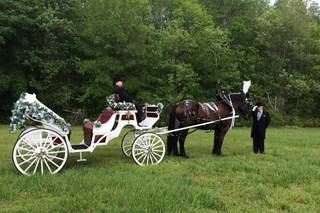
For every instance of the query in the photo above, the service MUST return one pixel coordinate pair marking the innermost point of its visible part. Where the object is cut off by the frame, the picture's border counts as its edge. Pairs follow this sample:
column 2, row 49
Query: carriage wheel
column 20, row 135
column 26, row 131
column 40, row 151
column 148, row 149
column 126, row 142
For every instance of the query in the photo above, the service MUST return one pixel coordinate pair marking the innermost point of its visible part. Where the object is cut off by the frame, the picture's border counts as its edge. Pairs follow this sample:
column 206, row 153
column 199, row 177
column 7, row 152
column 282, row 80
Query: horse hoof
column 184, row 156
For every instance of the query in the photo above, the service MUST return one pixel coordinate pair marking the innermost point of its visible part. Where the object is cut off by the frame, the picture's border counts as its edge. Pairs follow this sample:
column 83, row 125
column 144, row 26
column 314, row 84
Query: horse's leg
column 172, row 138
column 182, row 139
column 169, row 144
column 221, row 138
column 215, row 143
column 174, row 144
column 218, row 140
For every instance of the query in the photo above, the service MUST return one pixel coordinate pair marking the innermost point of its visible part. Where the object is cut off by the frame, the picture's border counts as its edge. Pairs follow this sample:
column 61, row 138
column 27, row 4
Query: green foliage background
column 67, row 52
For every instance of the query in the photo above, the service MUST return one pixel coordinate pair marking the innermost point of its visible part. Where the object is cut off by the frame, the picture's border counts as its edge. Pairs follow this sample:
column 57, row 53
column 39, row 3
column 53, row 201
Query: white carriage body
column 102, row 134
column 46, row 146
column 112, row 128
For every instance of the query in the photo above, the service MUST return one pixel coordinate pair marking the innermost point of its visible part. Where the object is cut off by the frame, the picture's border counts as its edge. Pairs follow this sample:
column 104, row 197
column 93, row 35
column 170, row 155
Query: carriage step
column 79, row 146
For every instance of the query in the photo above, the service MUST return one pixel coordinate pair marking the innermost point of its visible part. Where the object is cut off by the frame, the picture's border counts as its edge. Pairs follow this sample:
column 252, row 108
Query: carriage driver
column 120, row 91
column 124, row 96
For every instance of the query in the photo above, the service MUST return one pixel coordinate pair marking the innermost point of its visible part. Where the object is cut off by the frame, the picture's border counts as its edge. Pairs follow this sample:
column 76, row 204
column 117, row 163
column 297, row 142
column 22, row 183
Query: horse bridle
column 248, row 101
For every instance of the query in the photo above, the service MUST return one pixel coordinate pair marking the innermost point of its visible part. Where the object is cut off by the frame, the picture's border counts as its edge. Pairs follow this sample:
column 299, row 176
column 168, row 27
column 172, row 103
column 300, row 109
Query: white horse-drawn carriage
column 44, row 146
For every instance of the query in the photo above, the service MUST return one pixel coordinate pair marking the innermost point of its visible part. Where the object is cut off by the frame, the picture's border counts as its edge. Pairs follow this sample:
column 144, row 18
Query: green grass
column 286, row 178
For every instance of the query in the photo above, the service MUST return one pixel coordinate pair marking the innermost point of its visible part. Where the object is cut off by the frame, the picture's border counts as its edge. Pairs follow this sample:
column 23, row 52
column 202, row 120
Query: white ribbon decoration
column 233, row 114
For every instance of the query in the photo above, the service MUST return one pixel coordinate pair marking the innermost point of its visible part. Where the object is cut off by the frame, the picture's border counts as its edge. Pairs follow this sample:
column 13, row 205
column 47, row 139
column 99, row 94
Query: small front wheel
column 40, row 151
column 148, row 149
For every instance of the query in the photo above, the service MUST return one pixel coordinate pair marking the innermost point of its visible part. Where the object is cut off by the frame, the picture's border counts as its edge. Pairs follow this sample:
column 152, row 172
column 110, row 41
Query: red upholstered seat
column 152, row 111
column 88, row 127
column 105, row 116
column 87, row 132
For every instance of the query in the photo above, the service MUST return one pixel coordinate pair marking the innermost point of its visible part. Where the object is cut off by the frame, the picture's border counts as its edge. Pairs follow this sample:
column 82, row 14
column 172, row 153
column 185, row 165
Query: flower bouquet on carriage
column 44, row 143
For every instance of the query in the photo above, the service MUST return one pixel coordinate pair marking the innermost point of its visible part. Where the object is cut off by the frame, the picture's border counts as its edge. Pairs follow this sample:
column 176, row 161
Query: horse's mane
column 236, row 96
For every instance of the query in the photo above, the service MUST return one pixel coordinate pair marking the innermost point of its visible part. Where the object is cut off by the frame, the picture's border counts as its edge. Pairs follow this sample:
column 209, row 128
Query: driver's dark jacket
column 122, row 93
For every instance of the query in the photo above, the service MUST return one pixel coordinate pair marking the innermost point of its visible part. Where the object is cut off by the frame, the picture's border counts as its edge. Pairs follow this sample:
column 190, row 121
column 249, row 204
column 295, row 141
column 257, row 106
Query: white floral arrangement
column 28, row 105
column 111, row 102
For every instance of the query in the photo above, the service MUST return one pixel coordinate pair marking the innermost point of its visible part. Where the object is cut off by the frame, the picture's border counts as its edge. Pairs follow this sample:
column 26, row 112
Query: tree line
column 68, row 51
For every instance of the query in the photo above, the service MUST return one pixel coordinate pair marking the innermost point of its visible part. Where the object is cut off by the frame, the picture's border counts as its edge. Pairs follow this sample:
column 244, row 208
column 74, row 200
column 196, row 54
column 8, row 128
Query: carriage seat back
column 152, row 111
column 152, row 116
column 104, row 117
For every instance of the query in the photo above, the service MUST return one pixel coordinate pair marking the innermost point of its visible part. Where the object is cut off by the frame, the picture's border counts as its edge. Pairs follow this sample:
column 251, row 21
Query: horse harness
column 207, row 107
column 228, row 101
column 213, row 107
column 190, row 114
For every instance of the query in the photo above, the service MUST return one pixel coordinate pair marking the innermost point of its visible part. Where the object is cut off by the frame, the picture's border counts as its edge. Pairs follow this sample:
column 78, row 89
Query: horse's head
column 241, row 101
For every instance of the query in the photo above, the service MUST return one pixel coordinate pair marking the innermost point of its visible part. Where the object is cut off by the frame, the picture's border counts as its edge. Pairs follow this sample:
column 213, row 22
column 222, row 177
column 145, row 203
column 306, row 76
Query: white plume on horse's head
column 246, row 86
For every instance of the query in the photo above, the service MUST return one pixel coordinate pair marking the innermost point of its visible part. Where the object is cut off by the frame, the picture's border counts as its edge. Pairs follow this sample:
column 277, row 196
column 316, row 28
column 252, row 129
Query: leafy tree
column 37, row 50
column 69, row 51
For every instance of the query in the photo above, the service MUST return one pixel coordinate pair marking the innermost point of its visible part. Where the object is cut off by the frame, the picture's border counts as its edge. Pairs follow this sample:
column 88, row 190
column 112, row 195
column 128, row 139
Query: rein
column 228, row 101
column 233, row 113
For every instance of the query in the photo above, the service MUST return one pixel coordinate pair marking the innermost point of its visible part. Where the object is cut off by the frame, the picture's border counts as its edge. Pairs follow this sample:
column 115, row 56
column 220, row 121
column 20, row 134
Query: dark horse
column 189, row 112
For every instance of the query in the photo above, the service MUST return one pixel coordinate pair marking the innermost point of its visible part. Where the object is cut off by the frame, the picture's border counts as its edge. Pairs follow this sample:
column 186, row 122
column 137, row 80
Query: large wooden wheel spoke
column 40, row 151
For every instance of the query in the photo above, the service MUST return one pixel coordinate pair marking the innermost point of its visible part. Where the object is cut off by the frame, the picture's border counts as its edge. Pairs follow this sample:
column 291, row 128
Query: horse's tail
column 172, row 138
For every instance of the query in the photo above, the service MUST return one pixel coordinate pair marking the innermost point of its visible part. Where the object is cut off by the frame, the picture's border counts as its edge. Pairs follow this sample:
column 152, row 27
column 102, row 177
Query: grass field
column 286, row 178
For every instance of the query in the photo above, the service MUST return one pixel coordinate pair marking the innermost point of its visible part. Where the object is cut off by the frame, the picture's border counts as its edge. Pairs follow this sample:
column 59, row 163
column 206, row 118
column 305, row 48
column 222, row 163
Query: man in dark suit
column 120, row 91
column 122, row 95
column 261, row 121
